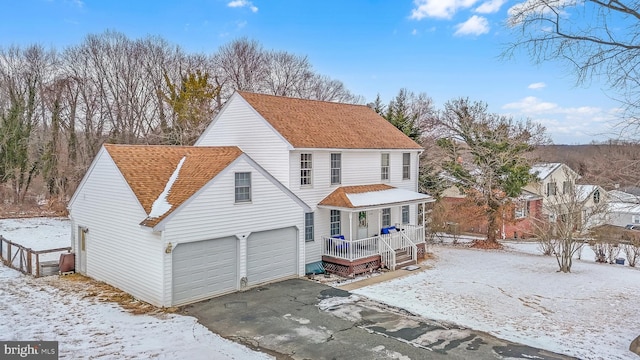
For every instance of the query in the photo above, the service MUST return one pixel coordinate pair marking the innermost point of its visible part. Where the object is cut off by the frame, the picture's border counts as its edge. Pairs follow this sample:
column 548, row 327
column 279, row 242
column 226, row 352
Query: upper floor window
column 384, row 167
column 566, row 187
column 551, row 189
column 406, row 166
column 336, row 169
column 306, row 163
column 386, row 217
column 635, row 219
column 243, row 187
column 334, row 222
column 596, row 197
column 308, row 226
column 405, row 214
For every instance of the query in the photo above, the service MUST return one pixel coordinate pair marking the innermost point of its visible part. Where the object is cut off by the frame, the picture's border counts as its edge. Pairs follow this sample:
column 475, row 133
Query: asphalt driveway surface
column 301, row 319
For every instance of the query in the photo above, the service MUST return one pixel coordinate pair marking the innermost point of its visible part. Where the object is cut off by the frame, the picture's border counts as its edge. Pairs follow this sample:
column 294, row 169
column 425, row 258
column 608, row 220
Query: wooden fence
column 25, row 260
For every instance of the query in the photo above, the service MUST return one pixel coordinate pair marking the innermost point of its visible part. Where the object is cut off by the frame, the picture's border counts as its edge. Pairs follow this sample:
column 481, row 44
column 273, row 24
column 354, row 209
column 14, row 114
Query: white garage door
column 204, row 269
column 271, row 255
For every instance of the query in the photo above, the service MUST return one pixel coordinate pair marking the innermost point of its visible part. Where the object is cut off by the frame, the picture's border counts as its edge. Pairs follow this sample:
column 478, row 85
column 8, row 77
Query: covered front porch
column 371, row 227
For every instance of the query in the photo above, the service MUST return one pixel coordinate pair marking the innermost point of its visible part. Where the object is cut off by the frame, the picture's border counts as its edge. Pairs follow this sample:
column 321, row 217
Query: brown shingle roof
column 148, row 168
column 338, row 197
column 322, row 124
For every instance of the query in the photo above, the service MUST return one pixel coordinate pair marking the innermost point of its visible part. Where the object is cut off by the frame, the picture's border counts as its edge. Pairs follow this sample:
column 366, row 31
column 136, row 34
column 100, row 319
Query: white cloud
column 444, row 9
column 243, row 3
column 537, row 86
column 414, row 32
column 566, row 125
column 490, row 7
column 476, row 25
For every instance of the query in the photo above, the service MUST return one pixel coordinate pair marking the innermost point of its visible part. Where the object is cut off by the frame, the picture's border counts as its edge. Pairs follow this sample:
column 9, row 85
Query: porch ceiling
column 362, row 197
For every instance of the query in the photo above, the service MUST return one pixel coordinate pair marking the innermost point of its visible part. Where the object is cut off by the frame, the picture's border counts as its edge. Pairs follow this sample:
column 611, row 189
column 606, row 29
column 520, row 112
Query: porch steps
column 403, row 258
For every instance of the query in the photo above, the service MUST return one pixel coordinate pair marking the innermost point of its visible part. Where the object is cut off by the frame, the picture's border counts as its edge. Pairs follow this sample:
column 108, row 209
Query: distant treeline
column 57, row 106
column 613, row 164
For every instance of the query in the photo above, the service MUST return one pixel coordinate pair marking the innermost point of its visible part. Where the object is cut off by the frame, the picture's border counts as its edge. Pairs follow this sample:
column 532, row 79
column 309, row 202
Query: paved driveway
column 301, row 319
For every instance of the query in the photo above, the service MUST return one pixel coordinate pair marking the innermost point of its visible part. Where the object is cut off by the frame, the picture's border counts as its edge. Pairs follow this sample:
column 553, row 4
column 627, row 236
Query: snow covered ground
column 85, row 327
column 591, row 313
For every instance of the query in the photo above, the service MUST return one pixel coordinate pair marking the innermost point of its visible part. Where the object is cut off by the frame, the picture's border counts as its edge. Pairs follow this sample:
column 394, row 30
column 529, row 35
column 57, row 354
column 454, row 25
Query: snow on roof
column 543, row 170
column 621, row 196
column 624, row 207
column 161, row 204
column 583, row 191
column 385, row 197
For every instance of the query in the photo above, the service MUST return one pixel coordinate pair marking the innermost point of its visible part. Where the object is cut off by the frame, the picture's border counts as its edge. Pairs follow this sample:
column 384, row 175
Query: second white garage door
column 272, row 255
column 204, row 269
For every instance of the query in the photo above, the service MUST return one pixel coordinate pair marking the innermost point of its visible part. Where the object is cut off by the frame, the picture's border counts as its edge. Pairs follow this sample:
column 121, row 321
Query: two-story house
column 274, row 188
column 355, row 170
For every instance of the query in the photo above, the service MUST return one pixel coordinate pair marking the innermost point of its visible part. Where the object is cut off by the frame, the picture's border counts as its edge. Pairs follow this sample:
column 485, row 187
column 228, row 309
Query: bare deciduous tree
column 569, row 215
column 595, row 38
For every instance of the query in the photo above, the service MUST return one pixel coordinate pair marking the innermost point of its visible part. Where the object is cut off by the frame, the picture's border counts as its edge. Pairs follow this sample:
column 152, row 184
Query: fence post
column 29, row 254
column 9, row 254
column 37, row 265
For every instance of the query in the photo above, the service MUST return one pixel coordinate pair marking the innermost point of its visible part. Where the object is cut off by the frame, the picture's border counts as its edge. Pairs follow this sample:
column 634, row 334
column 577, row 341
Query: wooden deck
column 353, row 257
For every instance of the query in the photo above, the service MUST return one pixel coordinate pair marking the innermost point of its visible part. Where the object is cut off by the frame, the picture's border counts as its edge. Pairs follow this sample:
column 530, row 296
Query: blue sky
column 445, row 48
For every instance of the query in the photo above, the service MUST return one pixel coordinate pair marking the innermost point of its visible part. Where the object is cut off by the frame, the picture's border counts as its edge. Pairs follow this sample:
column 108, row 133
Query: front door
column 363, row 225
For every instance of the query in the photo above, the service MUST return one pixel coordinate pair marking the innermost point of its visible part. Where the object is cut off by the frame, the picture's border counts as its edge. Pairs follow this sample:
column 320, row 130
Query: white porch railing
column 350, row 250
column 387, row 256
column 383, row 245
column 400, row 241
column 414, row 232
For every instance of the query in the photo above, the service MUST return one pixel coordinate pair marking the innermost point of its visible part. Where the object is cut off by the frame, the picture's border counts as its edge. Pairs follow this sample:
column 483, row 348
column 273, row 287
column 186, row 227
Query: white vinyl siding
column 116, row 242
column 384, row 166
column 262, row 143
column 306, row 169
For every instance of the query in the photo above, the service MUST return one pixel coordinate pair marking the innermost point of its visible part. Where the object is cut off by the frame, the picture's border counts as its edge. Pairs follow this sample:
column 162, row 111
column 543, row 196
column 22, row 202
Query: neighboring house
column 275, row 188
column 555, row 181
column 173, row 224
column 593, row 199
column 621, row 196
column 356, row 171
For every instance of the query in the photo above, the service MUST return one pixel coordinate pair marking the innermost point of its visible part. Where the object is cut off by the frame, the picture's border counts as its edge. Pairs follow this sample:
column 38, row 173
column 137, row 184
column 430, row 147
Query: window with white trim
column 551, row 188
column 243, row 187
column 384, row 166
column 635, row 219
column 566, row 187
column 386, row 217
column 336, row 168
column 405, row 214
column 308, row 227
column 334, row 222
column 521, row 209
column 596, row 197
column 306, row 166
column 406, row 166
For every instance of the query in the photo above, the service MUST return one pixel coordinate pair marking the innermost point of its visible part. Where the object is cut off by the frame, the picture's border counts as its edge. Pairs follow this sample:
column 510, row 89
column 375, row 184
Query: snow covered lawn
column 68, row 311
column 591, row 313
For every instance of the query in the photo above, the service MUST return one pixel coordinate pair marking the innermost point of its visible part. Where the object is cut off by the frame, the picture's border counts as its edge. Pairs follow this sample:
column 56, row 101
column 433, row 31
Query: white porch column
column 350, row 225
column 424, row 210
